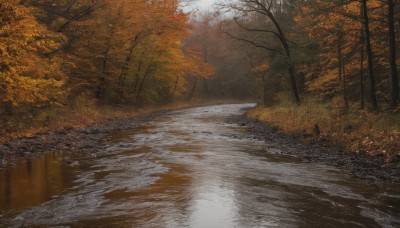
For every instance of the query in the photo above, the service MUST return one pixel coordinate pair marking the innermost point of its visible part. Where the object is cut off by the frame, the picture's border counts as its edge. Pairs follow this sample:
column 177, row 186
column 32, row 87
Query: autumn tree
column 371, row 76
column 122, row 48
column 391, row 5
column 62, row 52
column 363, row 24
column 266, row 12
column 30, row 76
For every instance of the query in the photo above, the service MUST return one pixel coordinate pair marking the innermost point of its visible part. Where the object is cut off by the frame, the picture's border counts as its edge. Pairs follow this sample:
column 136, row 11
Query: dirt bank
column 67, row 140
column 74, row 132
column 373, row 169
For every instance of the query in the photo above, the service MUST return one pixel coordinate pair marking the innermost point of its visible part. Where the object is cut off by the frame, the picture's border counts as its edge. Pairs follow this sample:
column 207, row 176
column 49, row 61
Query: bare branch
column 252, row 43
column 95, row 6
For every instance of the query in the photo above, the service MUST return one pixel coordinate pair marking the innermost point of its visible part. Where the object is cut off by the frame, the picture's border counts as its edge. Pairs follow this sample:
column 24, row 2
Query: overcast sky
column 205, row 3
column 201, row 4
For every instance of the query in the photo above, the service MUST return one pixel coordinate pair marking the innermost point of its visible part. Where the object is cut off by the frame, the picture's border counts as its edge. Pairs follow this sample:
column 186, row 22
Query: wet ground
column 190, row 168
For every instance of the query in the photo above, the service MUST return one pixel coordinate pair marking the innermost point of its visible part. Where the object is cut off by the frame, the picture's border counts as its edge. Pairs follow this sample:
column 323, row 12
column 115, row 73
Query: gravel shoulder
column 67, row 140
column 373, row 169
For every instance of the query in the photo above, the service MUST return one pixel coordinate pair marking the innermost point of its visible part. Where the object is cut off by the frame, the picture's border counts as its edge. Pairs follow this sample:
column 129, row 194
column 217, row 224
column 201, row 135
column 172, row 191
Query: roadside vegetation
column 369, row 133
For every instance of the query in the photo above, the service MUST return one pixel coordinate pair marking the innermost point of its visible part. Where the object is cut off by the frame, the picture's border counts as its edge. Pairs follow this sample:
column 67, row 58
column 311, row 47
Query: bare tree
column 267, row 9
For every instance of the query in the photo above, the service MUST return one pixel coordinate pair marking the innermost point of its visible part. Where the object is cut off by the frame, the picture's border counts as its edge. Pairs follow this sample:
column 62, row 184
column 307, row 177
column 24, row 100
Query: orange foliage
column 28, row 74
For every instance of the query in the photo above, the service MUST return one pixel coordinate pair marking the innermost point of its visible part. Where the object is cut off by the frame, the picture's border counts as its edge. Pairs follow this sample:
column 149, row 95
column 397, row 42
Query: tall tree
column 267, row 9
column 341, row 69
column 361, row 73
column 372, row 82
column 392, row 50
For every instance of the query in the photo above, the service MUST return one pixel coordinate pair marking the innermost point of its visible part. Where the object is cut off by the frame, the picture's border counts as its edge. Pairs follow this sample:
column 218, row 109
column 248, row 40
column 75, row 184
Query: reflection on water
column 189, row 169
column 213, row 205
column 33, row 181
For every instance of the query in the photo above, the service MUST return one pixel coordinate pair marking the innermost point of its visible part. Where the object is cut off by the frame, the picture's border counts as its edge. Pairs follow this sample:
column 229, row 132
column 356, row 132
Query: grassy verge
column 88, row 113
column 376, row 134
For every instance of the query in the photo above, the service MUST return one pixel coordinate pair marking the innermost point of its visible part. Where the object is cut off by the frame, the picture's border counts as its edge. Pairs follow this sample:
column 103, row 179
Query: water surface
column 189, row 168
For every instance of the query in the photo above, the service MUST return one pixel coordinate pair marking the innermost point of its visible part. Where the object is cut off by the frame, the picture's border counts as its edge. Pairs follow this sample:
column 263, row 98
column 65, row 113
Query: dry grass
column 374, row 133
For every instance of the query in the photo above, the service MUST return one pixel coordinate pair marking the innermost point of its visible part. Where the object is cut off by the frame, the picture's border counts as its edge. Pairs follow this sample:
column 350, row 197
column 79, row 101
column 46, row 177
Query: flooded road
column 189, row 168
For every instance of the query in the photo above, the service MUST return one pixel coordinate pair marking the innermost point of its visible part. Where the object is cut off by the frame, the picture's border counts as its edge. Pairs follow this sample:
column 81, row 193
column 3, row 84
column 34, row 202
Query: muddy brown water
column 189, row 168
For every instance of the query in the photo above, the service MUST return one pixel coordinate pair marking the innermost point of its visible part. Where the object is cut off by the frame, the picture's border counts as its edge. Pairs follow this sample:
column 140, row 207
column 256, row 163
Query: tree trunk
column 291, row 68
column 293, row 84
column 339, row 57
column 175, row 87
column 301, row 83
column 100, row 93
column 135, row 84
column 362, row 43
column 190, row 96
column 344, row 84
column 206, row 90
column 372, row 82
column 341, row 71
column 149, row 69
column 392, row 49
column 264, row 90
column 121, row 78
column 362, row 97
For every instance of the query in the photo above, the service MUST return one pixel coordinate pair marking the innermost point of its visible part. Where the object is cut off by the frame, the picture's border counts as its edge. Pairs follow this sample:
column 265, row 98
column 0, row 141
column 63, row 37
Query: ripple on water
column 190, row 169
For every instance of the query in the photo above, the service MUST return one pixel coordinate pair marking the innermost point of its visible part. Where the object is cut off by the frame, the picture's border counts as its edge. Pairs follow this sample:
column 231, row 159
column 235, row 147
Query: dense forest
column 327, row 68
column 327, row 49
column 58, row 54
column 68, row 52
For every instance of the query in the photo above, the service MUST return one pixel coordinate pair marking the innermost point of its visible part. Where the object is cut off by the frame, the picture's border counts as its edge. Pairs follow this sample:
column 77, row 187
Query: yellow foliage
column 27, row 76
column 329, row 77
column 195, row 65
column 260, row 68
